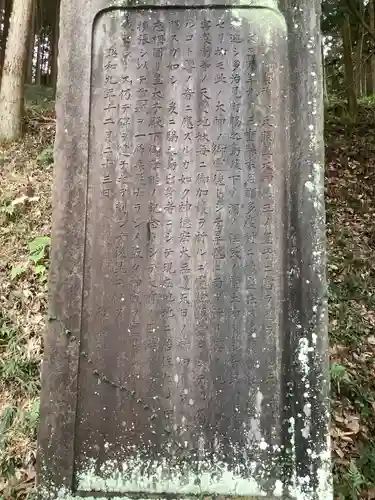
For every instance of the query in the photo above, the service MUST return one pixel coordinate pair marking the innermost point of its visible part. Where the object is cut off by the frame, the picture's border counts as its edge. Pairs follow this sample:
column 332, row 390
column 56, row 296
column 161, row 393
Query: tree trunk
column 369, row 82
column 363, row 77
column 358, row 55
column 372, row 26
column 31, row 46
column 6, row 22
column 12, row 88
column 348, row 65
column 55, row 49
column 325, row 86
column 358, row 63
column 38, row 61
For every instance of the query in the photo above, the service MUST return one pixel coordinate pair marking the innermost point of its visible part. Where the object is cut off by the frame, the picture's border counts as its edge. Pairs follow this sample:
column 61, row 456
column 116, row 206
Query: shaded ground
column 25, row 217
column 350, row 201
column 25, row 214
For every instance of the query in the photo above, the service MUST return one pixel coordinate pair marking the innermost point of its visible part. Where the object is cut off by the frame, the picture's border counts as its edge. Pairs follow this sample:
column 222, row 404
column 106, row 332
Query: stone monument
column 186, row 353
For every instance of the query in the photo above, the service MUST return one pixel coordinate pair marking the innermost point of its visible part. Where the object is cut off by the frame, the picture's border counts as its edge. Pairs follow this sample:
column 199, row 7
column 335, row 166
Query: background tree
column 349, row 49
column 12, row 83
column 28, row 55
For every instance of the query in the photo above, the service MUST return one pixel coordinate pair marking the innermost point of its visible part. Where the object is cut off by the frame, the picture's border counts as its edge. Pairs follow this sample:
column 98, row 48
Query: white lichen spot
column 263, row 445
column 306, row 432
column 303, row 355
column 258, row 404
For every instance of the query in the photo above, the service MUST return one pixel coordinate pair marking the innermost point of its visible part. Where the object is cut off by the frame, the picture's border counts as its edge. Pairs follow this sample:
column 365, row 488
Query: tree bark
column 363, row 77
column 12, row 87
column 6, row 22
column 55, row 49
column 31, row 47
column 38, row 62
column 348, row 64
column 372, row 26
column 358, row 57
column 325, row 86
column 369, row 82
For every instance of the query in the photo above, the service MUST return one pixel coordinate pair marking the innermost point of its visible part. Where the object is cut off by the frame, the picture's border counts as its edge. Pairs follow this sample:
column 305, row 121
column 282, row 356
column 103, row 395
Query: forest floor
column 25, row 219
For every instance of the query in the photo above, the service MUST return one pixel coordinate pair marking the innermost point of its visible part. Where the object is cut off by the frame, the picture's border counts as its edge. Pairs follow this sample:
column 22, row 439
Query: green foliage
column 339, row 374
column 38, row 247
column 30, row 418
column 17, row 271
column 350, row 214
column 46, row 156
column 368, row 100
column 19, row 375
column 25, row 213
column 366, row 464
column 38, row 253
column 6, row 421
column 352, row 482
column 355, row 481
column 39, row 96
column 17, row 369
column 16, row 422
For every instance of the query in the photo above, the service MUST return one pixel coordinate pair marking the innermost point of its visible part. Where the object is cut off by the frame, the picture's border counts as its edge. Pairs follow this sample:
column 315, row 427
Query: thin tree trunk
column 358, row 62
column 6, row 22
column 372, row 26
column 31, row 47
column 42, row 62
column 55, row 49
column 38, row 61
column 2, row 12
column 325, row 87
column 369, row 82
column 12, row 88
column 348, row 64
column 363, row 77
column 3, row 40
column 334, row 78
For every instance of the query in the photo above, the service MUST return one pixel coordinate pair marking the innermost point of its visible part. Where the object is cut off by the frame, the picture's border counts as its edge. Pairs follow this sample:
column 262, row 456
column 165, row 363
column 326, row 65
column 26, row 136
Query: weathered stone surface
column 186, row 348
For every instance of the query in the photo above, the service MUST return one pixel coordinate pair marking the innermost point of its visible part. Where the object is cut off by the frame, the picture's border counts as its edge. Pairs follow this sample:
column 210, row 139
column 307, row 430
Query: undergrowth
column 350, row 203
column 25, row 219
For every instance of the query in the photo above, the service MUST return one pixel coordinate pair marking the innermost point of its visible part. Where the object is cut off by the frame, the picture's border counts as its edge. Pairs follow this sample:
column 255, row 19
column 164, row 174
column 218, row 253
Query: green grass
column 39, row 96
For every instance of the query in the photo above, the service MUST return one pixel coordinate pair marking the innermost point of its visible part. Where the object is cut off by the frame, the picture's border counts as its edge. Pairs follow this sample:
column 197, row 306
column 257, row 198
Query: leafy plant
column 7, row 208
column 38, row 251
column 6, row 421
column 38, row 247
column 17, row 271
column 355, row 481
column 45, row 157
column 10, row 211
column 339, row 374
column 30, row 418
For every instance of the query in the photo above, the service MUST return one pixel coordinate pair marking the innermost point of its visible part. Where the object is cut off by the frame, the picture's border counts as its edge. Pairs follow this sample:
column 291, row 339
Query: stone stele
column 186, row 352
